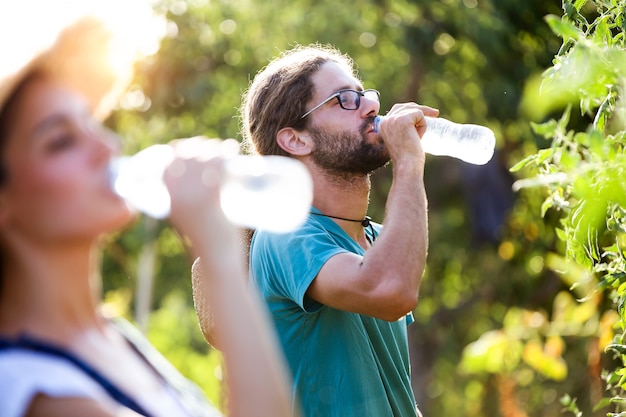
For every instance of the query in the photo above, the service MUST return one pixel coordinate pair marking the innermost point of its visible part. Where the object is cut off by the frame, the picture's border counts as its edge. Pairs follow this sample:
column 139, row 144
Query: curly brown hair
column 280, row 93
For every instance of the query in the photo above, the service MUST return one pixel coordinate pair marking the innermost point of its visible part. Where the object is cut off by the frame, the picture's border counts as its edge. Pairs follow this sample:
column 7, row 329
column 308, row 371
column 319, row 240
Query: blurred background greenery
column 506, row 325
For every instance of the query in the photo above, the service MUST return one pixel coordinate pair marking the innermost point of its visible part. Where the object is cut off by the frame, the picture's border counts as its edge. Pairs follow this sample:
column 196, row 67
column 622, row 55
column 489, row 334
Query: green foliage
column 583, row 171
column 174, row 331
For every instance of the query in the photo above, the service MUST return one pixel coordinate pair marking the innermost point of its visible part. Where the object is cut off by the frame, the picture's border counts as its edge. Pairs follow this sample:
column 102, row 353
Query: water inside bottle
column 139, row 180
column 259, row 192
column 269, row 192
column 469, row 142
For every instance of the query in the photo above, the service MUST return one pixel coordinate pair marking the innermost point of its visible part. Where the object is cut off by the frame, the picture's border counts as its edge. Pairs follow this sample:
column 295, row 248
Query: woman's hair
column 4, row 133
column 6, row 116
column 279, row 94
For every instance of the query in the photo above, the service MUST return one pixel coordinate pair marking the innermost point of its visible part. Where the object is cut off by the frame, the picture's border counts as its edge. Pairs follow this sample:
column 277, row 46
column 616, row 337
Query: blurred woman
column 59, row 355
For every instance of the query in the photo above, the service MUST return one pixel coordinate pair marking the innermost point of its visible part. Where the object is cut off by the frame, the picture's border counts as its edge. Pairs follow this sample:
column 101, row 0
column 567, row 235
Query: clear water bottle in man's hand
column 471, row 143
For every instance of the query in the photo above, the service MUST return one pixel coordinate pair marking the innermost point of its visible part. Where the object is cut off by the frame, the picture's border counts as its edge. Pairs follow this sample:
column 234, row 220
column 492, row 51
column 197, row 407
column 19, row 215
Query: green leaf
column 545, row 206
column 523, row 163
column 563, row 28
column 618, row 348
column 544, row 155
column 604, row 402
column 546, row 129
column 578, row 4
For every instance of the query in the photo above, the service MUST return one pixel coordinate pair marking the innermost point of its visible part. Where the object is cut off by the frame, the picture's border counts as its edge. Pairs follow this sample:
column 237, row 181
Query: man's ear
column 294, row 142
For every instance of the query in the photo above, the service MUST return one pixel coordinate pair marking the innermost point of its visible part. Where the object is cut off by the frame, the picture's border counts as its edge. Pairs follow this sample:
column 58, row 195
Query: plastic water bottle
column 259, row 192
column 471, row 143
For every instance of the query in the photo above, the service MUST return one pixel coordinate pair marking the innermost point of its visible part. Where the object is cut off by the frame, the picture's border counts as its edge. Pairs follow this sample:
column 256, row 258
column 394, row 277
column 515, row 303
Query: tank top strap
column 27, row 343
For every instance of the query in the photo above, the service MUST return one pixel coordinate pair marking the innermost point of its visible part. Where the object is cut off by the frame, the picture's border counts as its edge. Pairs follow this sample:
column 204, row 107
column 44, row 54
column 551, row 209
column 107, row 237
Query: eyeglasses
column 348, row 99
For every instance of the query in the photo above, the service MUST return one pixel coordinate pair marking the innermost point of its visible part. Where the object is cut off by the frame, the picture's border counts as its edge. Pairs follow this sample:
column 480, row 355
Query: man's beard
column 346, row 153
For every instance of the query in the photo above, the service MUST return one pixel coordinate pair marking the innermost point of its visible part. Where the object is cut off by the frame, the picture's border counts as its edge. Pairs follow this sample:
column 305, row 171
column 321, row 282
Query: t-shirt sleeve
column 410, row 319
column 285, row 265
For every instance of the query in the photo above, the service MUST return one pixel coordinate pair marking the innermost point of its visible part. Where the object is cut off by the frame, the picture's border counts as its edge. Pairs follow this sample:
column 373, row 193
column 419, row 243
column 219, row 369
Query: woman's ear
column 294, row 142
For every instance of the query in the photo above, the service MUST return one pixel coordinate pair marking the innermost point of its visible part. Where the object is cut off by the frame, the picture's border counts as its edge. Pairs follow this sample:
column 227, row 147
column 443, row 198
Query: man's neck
column 344, row 197
column 341, row 195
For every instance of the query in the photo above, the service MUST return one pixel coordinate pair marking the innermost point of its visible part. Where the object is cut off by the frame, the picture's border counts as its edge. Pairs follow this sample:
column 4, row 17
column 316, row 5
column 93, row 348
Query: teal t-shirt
column 343, row 364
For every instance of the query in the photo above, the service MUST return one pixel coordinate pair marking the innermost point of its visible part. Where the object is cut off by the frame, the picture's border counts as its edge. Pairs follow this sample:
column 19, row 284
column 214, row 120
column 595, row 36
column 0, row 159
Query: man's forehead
column 332, row 77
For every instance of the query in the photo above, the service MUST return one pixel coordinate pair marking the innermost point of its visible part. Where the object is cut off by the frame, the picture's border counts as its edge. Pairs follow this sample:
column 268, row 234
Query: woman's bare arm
column 257, row 376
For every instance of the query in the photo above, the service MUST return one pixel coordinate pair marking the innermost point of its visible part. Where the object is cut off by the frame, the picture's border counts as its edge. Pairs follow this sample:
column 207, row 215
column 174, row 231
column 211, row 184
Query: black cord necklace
column 366, row 222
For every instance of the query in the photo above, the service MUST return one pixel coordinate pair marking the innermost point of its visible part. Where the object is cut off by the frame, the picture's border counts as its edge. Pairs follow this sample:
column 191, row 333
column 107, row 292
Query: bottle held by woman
column 258, row 192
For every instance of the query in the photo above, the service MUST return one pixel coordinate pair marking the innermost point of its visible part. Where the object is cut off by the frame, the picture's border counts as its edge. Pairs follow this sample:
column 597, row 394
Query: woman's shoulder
column 24, row 374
